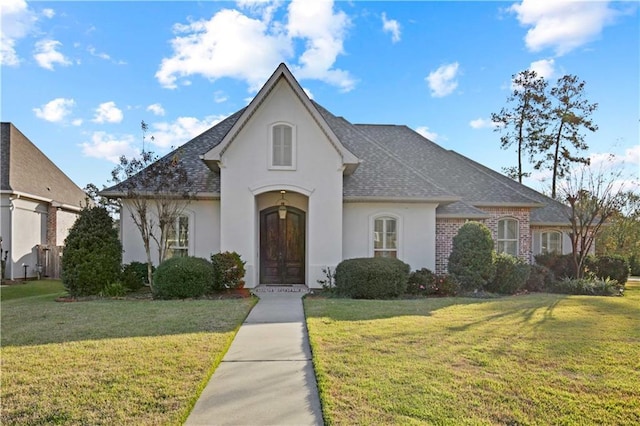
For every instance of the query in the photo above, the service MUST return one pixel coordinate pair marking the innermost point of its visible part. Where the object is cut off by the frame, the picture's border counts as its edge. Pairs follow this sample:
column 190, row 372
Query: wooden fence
column 50, row 259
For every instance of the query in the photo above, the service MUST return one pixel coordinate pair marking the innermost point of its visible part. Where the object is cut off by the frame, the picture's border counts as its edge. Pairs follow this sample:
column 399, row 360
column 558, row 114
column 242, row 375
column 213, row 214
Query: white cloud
column 56, row 110
column 424, row 131
column 442, row 81
column 109, row 147
column 108, row 112
column 308, row 93
column 182, row 130
column 562, row 25
column 16, row 22
column 248, row 47
column 481, row 123
column 48, row 13
column 230, row 44
column 156, row 109
column 92, row 50
column 391, row 26
column 219, row 97
column 46, row 54
column 323, row 31
column 77, row 122
column 543, row 68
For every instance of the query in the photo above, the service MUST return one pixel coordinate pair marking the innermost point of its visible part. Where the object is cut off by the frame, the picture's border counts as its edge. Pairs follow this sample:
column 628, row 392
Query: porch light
column 282, row 210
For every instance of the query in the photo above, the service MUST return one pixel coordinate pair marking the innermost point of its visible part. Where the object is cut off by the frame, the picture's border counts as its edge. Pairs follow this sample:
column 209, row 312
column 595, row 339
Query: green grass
column 533, row 359
column 108, row 361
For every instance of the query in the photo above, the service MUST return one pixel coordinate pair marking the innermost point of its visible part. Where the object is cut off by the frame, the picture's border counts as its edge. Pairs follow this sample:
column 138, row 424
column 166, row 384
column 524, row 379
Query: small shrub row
column 613, row 267
column 585, row 286
column 372, row 278
column 511, row 275
column 423, row 282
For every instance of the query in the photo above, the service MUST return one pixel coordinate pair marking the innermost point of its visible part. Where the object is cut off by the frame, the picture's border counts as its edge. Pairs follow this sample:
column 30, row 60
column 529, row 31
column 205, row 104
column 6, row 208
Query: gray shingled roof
column 25, row 169
column 396, row 164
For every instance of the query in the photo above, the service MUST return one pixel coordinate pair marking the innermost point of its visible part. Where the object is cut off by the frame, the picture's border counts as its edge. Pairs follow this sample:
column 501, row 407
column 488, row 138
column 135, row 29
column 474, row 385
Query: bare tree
column 593, row 198
column 570, row 113
column 155, row 191
column 524, row 122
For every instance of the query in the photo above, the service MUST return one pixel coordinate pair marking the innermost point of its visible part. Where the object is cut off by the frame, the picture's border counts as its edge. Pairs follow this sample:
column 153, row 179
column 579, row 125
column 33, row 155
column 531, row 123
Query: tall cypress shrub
column 92, row 254
column 471, row 261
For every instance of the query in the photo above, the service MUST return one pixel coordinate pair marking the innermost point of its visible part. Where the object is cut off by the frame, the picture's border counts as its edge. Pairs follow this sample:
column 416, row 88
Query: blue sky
column 78, row 77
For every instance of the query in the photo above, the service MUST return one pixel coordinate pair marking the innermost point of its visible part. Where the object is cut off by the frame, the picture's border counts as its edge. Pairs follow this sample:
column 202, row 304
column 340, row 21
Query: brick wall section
column 446, row 229
column 52, row 225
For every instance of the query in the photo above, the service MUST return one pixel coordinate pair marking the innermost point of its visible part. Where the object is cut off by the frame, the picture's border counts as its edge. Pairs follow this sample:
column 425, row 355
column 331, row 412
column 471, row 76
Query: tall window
column 178, row 240
column 282, row 147
column 551, row 242
column 385, row 237
column 507, row 236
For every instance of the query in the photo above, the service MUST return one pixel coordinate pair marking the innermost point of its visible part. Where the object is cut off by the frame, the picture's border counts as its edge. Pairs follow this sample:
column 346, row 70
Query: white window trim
column 516, row 239
column 293, row 147
column 190, row 215
column 550, row 231
column 372, row 229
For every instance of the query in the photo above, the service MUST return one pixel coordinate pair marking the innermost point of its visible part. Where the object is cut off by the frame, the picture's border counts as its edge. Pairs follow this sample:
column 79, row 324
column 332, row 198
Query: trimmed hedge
column 471, row 262
column 372, row 278
column 613, row 267
column 511, row 275
column 183, row 277
column 228, row 269
column 587, row 287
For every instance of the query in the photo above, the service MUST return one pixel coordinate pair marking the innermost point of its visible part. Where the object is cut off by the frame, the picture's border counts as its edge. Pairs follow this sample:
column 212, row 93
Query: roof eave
column 384, row 199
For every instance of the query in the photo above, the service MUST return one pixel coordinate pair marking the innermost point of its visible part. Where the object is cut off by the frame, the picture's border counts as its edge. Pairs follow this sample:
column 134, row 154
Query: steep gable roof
column 213, row 156
column 28, row 172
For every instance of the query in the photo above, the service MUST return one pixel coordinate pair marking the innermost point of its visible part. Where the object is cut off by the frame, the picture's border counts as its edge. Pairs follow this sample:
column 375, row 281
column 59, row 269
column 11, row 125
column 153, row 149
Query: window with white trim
column 178, row 241
column 551, row 242
column 508, row 236
column 282, row 146
column 385, row 237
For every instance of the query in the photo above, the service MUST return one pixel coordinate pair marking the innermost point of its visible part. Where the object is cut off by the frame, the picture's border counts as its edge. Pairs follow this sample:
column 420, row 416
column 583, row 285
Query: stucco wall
column 416, row 231
column 64, row 221
column 28, row 228
column 5, row 229
column 204, row 232
column 245, row 175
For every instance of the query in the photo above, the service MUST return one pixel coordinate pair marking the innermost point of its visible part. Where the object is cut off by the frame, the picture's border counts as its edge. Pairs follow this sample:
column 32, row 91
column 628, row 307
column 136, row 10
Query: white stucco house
column 38, row 206
column 293, row 189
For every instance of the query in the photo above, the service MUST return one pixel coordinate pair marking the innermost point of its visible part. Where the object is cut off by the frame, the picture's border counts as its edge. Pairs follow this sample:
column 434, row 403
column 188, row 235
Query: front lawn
column 534, row 359
column 108, row 361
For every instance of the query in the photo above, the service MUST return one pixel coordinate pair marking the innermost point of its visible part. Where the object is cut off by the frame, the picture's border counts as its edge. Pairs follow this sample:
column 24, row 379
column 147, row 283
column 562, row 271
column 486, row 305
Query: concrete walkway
column 266, row 377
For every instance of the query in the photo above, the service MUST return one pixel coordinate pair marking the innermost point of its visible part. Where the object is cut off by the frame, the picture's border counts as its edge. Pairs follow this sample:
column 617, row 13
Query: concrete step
column 291, row 288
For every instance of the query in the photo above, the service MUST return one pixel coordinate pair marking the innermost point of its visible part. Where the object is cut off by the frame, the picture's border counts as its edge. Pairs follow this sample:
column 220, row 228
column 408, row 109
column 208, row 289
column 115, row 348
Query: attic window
column 282, row 147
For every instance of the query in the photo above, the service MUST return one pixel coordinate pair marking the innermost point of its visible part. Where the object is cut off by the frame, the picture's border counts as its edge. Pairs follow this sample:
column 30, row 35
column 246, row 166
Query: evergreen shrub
column 540, row 278
column 511, row 275
column 423, row 282
column 228, row 270
column 134, row 275
column 613, row 267
column 471, row 259
column 92, row 255
column 372, row 278
column 183, row 277
column 560, row 264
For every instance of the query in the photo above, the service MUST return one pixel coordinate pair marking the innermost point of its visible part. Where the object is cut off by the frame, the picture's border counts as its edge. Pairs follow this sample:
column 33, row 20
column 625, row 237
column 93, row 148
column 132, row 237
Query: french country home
column 294, row 189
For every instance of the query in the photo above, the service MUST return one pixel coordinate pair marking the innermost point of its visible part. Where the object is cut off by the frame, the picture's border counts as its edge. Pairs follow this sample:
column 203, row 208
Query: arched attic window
column 282, row 147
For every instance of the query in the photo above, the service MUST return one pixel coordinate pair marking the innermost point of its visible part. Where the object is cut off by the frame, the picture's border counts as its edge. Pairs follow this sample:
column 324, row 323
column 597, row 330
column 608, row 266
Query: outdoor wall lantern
column 282, row 210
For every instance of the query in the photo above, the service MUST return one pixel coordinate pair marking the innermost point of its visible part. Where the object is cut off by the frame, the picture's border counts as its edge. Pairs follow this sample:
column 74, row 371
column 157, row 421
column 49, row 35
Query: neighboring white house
column 38, row 205
column 343, row 190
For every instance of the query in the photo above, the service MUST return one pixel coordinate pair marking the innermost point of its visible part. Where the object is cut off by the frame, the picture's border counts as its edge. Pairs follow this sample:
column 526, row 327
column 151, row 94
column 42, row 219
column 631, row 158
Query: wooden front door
column 282, row 247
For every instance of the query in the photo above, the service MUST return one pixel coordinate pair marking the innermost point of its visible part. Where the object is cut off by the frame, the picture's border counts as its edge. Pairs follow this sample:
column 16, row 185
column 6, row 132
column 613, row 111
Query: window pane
column 282, row 145
column 512, row 229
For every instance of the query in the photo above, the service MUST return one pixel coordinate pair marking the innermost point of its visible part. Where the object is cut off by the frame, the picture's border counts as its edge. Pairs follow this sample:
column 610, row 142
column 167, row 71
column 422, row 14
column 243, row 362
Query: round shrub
column 92, row 254
column 182, row 277
column 471, row 259
column 613, row 267
column 540, row 278
column 372, row 278
column 228, row 269
column 134, row 275
column 511, row 275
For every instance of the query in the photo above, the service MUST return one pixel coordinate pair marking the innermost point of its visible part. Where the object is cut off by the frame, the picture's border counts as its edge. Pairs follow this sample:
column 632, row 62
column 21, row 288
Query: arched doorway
column 282, row 246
